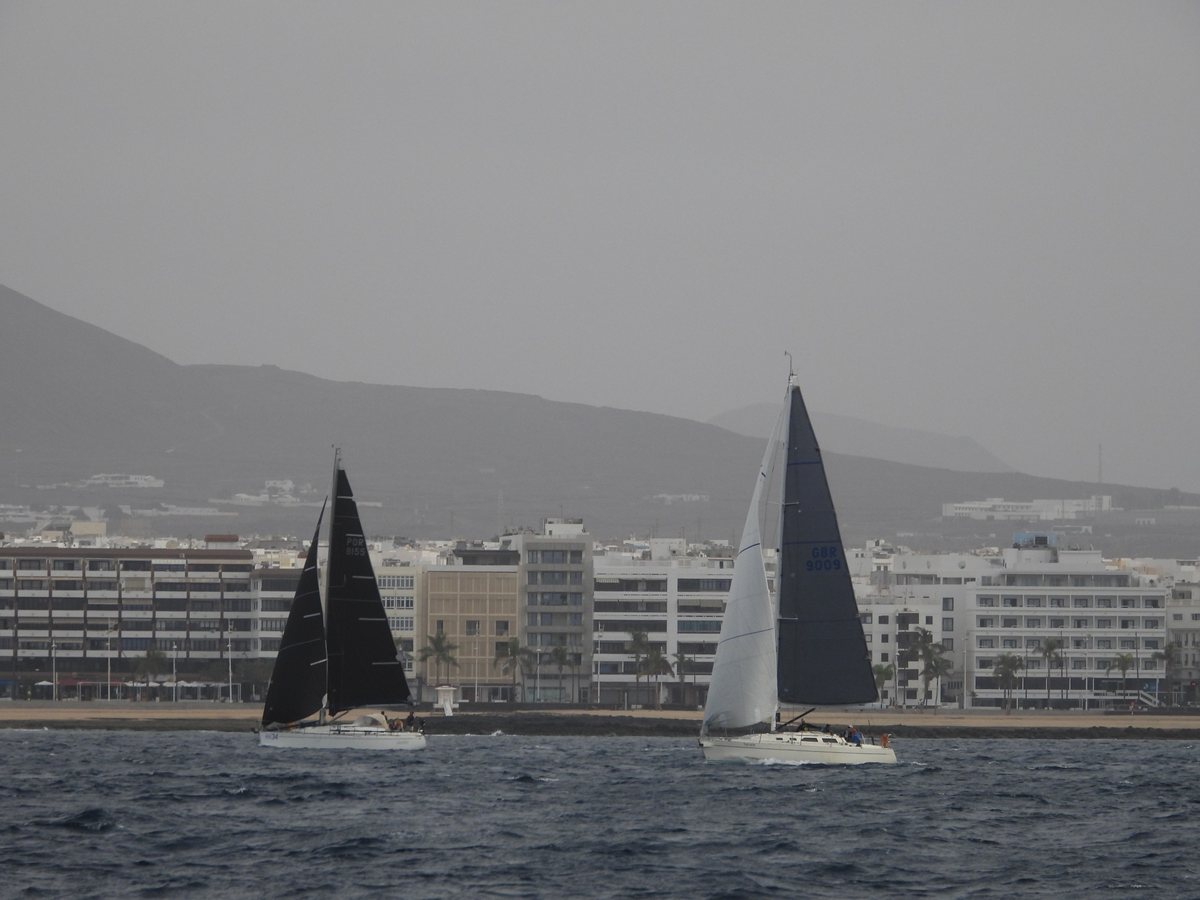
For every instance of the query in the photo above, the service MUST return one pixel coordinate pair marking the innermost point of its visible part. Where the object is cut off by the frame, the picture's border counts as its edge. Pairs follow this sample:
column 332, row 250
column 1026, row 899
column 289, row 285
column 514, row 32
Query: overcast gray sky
column 980, row 219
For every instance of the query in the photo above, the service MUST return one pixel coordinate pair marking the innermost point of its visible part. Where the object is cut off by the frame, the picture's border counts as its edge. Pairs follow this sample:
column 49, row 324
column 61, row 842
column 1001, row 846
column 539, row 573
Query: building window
column 986, row 622
column 1104, row 623
column 947, row 604
column 947, row 624
column 577, row 557
column 575, row 618
column 501, row 627
column 1058, row 623
column 440, row 627
column 1009, row 643
column 1009, row 623
column 865, row 618
column 531, row 619
column 883, row 639
column 472, row 628
column 576, row 577
column 987, row 601
column 987, row 643
column 948, row 643
column 883, row 620
column 547, row 619
column 532, row 578
column 1033, row 623
column 531, row 556
column 1104, row 644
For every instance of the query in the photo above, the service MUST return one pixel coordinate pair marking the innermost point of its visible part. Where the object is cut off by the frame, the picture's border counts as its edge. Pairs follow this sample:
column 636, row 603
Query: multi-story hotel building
column 84, row 616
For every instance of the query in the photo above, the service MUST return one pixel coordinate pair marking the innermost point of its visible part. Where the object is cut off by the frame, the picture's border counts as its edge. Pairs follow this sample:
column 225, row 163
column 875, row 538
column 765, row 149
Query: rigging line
column 734, row 637
column 301, row 644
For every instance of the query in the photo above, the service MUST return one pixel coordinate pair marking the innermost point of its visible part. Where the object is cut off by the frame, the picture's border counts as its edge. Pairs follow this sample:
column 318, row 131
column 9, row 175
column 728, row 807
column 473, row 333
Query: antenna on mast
column 791, row 373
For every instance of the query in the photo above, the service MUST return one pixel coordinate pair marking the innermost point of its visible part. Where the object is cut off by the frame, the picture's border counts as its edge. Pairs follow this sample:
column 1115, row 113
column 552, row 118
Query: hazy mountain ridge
column 860, row 437
column 443, row 462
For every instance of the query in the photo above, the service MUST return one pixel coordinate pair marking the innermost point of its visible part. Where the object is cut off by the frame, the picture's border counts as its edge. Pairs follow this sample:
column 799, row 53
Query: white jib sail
column 743, row 688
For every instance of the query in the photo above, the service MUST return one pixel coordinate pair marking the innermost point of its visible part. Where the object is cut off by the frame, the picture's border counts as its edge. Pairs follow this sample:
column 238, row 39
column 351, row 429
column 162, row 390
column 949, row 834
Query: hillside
column 442, row 462
column 858, row 437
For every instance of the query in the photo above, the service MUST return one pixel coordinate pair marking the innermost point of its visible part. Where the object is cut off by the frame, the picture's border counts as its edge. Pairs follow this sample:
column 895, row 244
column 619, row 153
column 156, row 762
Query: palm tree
column 1123, row 663
column 560, row 659
column 1006, row 669
column 639, row 643
column 154, row 663
column 654, row 665
column 1051, row 650
column 940, row 667
column 1170, row 657
column 514, row 657
column 682, row 662
column 883, row 674
column 933, row 661
column 440, row 650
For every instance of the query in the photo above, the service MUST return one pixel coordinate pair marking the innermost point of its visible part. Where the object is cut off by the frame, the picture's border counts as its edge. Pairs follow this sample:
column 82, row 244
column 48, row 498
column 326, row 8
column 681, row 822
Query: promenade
column 199, row 715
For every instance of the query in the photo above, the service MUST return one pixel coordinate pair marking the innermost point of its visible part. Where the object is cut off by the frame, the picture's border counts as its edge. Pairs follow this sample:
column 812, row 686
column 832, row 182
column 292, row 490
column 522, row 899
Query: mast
column 337, row 464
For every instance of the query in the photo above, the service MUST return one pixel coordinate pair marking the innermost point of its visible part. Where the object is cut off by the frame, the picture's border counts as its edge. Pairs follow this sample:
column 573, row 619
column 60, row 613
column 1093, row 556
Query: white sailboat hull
column 788, row 747
column 342, row 737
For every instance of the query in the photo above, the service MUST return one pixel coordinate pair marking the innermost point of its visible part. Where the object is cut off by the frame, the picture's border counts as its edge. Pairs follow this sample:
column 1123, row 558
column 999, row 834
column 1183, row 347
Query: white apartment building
column 678, row 601
column 1022, row 601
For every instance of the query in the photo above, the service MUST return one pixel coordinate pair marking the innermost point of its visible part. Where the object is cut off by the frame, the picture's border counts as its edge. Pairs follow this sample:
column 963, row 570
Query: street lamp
column 108, row 637
column 229, row 651
column 538, row 693
column 53, row 670
column 174, row 677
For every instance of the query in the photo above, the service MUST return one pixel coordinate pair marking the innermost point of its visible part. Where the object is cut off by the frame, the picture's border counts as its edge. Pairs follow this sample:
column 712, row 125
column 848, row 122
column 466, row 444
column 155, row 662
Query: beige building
column 473, row 603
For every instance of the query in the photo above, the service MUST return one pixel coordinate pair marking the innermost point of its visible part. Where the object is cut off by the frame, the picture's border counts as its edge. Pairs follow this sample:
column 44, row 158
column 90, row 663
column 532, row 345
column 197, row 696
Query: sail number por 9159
column 356, row 545
column 824, row 559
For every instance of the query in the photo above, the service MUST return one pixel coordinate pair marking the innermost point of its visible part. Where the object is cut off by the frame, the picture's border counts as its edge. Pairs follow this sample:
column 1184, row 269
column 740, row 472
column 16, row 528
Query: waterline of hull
column 342, row 737
column 793, row 748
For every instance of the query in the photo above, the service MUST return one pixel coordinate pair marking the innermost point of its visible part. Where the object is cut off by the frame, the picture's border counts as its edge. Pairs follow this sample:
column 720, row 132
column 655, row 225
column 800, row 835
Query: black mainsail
column 822, row 654
column 297, row 688
column 364, row 667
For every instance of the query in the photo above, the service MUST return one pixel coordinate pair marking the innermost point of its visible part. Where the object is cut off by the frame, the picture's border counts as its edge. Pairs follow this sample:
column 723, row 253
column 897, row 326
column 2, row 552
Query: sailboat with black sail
column 337, row 654
column 805, row 645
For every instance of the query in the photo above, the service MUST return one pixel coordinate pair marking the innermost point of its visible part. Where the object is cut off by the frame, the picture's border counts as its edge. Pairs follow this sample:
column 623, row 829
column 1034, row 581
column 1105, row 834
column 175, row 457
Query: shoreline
column 900, row 724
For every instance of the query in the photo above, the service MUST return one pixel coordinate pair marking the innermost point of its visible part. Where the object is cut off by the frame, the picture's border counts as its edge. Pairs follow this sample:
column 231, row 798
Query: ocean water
column 136, row 814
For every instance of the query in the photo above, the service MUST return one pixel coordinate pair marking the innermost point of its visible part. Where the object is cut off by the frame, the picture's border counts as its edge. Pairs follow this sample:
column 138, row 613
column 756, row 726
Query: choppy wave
column 88, row 814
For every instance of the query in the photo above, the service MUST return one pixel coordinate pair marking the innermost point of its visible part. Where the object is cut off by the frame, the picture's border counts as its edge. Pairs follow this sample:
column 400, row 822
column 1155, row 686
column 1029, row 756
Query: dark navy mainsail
column 364, row 667
column 297, row 688
column 822, row 654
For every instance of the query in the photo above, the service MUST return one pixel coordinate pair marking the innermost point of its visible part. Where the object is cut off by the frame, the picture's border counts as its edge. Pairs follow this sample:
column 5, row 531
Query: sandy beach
column 190, row 716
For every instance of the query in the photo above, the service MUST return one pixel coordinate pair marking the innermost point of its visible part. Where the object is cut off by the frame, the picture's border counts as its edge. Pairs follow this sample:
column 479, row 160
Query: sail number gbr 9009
column 824, row 559
column 356, row 545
